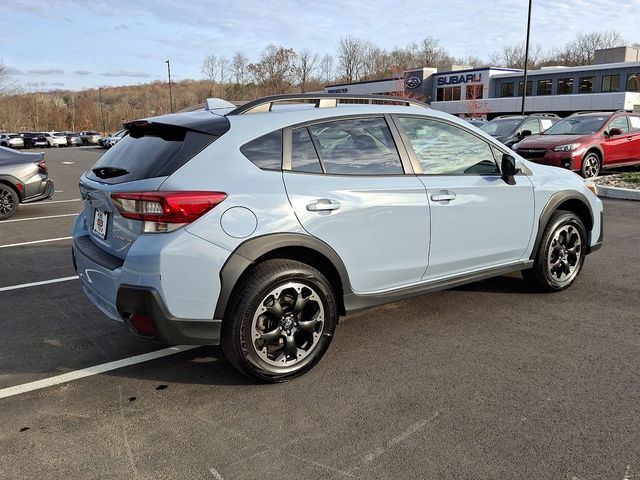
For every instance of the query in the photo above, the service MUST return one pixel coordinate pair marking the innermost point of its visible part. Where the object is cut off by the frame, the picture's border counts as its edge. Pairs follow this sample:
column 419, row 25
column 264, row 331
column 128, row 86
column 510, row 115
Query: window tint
column 265, row 152
column 633, row 82
column 357, row 147
column 621, row 123
column 565, row 85
column 529, row 88
column 444, row 149
column 532, row 125
column 303, row 154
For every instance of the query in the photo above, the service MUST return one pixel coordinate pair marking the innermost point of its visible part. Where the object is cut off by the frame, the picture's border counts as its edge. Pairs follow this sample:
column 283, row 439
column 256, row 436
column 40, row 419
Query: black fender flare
column 251, row 250
column 552, row 205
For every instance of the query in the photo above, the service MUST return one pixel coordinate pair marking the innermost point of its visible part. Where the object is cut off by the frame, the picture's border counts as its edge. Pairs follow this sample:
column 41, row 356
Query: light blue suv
column 257, row 226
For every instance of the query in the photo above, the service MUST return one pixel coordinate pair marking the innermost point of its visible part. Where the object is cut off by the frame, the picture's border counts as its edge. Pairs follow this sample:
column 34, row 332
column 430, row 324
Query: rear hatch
column 140, row 162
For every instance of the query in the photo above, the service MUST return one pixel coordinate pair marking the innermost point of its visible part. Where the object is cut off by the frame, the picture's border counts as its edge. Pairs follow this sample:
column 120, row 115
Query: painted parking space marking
column 95, row 370
column 41, row 218
column 37, row 284
column 46, row 240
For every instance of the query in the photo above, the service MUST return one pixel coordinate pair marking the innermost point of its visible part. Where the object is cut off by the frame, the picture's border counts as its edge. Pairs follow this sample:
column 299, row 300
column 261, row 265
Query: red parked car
column 587, row 142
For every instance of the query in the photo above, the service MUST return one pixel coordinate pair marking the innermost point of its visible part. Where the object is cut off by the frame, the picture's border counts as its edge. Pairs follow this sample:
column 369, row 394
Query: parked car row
column 110, row 140
column 49, row 139
column 585, row 142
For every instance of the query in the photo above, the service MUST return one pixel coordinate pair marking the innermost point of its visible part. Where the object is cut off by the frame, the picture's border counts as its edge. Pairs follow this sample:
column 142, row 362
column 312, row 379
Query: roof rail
column 535, row 114
column 596, row 112
column 321, row 100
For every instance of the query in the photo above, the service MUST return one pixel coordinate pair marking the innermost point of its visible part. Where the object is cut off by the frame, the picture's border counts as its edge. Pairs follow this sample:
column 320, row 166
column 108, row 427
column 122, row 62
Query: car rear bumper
column 47, row 189
column 171, row 278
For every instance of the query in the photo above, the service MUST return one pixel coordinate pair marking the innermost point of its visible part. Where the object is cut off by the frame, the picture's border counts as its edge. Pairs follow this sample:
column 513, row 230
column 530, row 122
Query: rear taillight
column 165, row 211
column 42, row 165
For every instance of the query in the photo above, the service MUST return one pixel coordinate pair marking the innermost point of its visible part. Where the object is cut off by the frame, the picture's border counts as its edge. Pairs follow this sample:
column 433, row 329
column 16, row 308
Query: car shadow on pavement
column 506, row 284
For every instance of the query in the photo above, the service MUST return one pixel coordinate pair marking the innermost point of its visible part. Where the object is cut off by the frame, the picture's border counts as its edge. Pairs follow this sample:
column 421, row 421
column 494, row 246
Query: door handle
column 443, row 197
column 323, row 205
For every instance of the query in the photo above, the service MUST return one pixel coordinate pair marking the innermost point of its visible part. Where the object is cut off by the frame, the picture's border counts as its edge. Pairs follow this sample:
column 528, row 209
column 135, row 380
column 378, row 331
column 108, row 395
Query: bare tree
column 581, row 51
column 326, row 68
column 512, row 56
column 223, row 69
column 210, row 68
column 306, row 63
column 376, row 62
column 350, row 57
column 429, row 53
column 239, row 66
column 274, row 73
column 6, row 80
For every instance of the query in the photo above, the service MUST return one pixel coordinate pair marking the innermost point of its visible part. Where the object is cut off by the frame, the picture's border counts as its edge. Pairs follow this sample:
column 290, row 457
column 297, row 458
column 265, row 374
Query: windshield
column 578, row 125
column 501, row 127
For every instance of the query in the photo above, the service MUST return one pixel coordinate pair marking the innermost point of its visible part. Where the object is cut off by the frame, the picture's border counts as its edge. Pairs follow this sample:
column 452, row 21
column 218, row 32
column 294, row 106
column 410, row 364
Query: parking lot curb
column 618, row 193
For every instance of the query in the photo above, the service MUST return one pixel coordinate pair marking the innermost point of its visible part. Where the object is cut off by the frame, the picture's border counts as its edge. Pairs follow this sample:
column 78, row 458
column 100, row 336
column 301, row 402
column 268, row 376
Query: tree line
column 278, row 69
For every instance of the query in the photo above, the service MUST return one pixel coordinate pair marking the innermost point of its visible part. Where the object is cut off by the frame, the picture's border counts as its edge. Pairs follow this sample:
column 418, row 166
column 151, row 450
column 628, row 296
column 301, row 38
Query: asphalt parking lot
column 486, row 381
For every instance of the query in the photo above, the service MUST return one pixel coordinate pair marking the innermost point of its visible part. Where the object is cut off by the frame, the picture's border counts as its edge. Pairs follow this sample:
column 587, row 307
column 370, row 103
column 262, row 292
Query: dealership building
column 611, row 83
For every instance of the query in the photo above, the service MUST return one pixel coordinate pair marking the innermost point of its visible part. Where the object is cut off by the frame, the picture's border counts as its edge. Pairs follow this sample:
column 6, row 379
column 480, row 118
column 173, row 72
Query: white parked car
column 55, row 139
column 112, row 139
column 11, row 140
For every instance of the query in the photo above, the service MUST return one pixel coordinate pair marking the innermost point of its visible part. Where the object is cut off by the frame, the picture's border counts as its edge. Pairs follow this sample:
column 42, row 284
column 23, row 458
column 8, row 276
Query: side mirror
column 508, row 168
column 614, row 131
column 525, row 133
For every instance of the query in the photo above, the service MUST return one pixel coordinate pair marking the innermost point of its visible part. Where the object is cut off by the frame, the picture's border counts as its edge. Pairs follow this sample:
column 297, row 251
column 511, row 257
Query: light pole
column 526, row 58
column 104, row 129
column 170, row 96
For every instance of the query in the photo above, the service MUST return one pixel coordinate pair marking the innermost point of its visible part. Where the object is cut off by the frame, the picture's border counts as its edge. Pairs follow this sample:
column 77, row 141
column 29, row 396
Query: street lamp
column 526, row 58
column 104, row 129
column 170, row 96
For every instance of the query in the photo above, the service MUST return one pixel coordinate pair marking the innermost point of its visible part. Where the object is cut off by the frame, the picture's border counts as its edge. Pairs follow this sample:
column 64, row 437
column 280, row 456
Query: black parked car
column 23, row 179
column 32, row 140
column 510, row 129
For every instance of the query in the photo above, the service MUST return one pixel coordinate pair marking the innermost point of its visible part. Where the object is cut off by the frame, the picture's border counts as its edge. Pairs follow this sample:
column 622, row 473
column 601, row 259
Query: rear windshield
column 153, row 151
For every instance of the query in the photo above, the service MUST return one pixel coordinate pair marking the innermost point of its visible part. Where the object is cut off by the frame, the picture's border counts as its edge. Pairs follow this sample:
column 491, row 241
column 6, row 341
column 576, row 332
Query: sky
column 76, row 44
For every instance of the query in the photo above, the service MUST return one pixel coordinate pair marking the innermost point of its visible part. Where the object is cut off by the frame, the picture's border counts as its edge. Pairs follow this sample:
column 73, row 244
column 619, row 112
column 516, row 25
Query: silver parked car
column 73, row 139
column 24, row 178
column 89, row 137
column 257, row 226
column 11, row 140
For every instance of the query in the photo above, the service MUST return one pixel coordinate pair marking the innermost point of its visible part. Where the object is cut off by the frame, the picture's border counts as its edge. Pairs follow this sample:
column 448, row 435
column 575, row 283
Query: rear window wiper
column 109, row 172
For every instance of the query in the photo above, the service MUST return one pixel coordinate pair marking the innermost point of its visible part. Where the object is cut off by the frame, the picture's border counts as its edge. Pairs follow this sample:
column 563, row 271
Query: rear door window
column 362, row 146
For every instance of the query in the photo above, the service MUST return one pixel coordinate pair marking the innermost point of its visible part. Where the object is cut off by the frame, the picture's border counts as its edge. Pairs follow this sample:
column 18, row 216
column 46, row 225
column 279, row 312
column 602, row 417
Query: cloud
column 14, row 71
column 83, row 72
column 122, row 26
column 46, row 71
column 58, row 84
column 125, row 73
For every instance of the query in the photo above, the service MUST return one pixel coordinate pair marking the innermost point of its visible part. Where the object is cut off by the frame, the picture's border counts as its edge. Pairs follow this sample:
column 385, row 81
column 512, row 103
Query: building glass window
column 529, row 88
column 586, row 84
column 565, row 86
column 506, row 89
column 544, row 87
column 633, row 82
column 474, row 92
column 443, row 149
column 447, row 94
column 610, row 83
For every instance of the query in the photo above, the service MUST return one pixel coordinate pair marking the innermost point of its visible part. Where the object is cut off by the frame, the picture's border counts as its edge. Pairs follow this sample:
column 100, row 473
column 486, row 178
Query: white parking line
column 41, row 218
column 36, row 284
column 36, row 241
column 50, row 202
column 87, row 372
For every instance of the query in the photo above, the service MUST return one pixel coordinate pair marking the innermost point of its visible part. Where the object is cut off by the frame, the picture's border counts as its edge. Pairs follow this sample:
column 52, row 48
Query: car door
column 616, row 148
column 634, row 138
column 348, row 187
column 478, row 220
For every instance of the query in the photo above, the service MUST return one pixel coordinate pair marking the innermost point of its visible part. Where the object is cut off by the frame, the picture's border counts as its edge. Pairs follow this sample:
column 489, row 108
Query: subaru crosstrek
column 587, row 142
column 256, row 227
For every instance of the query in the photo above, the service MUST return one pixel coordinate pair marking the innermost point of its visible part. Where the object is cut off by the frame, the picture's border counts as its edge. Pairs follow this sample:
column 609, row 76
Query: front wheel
column 591, row 165
column 560, row 255
column 280, row 322
column 8, row 201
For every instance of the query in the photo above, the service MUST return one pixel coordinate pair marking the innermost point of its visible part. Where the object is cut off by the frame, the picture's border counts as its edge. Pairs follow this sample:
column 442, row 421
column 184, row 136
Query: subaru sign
column 412, row 82
column 458, row 79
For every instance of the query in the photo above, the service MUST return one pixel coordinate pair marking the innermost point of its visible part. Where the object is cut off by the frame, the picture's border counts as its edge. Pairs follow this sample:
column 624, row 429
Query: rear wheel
column 8, row 201
column 561, row 253
column 591, row 165
column 280, row 322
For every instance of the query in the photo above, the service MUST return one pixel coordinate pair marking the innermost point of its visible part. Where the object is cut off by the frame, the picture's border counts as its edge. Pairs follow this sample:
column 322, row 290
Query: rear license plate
column 100, row 223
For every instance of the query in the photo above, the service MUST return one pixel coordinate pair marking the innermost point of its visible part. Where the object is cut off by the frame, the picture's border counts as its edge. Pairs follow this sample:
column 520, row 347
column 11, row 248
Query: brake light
column 42, row 165
column 165, row 211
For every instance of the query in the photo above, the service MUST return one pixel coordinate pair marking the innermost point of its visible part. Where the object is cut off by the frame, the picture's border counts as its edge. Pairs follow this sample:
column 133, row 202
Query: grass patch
column 633, row 178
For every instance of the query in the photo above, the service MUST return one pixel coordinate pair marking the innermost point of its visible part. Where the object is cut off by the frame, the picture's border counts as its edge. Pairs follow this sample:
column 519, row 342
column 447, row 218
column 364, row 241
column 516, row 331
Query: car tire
column 9, row 201
column 280, row 321
column 560, row 255
column 591, row 165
